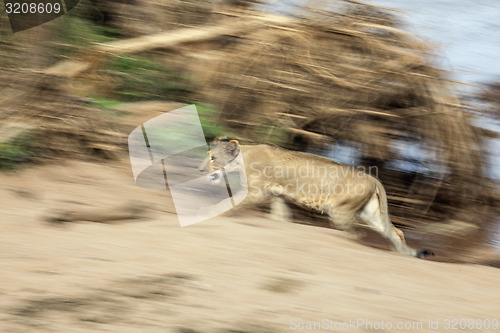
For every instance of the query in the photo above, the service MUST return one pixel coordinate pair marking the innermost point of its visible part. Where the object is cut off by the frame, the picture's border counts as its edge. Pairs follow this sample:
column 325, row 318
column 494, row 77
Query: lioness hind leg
column 372, row 215
column 400, row 234
column 342, row 220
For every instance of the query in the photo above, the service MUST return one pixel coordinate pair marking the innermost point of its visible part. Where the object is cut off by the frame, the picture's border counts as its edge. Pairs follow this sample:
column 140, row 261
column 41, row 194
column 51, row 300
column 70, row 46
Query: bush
column 16, row 152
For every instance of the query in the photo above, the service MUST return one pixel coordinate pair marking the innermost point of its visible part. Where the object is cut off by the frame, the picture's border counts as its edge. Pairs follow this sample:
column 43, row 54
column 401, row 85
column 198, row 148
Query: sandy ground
column 229, row 274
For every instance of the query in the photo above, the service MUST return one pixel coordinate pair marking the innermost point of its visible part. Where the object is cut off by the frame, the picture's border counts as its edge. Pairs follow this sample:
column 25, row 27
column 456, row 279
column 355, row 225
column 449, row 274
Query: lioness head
column 223, row 151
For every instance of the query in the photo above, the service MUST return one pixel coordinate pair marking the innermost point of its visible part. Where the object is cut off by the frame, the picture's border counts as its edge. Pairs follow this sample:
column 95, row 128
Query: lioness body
column 344, row 193
column 311, row 181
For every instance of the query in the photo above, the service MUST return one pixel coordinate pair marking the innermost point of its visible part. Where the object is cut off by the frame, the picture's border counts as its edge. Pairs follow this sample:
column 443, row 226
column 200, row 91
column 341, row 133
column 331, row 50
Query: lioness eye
column 213, row 158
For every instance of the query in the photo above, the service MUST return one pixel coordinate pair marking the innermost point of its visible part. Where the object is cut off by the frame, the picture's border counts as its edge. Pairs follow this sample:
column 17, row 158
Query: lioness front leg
column 253, row 199
column 280, row 210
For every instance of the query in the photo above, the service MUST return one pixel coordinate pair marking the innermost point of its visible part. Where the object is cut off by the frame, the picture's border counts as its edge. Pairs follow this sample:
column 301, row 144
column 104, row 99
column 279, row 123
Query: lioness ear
column 220, row 139
column 233, row 147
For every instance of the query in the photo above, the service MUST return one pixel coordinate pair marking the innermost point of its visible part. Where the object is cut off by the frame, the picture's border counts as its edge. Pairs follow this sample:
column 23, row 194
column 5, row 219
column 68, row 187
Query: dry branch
column 169, row 40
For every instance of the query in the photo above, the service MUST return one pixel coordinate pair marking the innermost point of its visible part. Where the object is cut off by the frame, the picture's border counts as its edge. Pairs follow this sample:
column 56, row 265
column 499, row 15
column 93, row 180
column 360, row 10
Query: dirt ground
column 229, row 274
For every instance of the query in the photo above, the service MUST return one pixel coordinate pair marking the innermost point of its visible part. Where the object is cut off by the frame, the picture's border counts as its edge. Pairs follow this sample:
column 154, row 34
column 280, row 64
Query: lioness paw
column 423, row 253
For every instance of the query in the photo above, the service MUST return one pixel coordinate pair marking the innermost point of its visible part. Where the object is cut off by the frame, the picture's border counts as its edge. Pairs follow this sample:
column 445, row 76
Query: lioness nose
column 203, row 167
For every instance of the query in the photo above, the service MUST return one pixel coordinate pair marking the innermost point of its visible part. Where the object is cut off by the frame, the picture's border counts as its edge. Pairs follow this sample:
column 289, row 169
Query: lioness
column 347, row 195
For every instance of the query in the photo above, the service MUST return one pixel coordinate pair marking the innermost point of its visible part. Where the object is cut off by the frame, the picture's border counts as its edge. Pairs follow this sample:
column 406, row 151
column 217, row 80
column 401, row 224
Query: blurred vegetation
column 106, row 104
column 491, row 95
column 139, row 78
column 73, row 131
column 75, row 33
column 133, row 77
column 209, row 118
column 17, row 152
